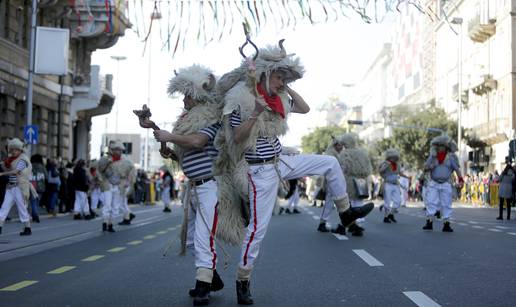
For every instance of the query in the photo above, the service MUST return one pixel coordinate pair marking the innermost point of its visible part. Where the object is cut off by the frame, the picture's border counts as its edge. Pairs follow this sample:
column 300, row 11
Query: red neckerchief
column 441, row 156
column 93, row 171
column 9, row 160
column 394, row 167
column 274, row 102
column 116, row 158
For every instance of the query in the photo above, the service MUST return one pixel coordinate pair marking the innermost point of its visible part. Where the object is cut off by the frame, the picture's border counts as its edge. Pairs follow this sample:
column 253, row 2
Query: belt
column 202, row 181
column 261, row 161
column 11, row 185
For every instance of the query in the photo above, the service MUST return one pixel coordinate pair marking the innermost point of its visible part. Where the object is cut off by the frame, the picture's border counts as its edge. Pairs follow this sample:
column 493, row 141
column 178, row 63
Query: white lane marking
column 315, row 217
column 462, row 224
column 512, row 233
column 372, row 261
column 472, row 222
column 502, row 227
column 494, row 230
column 478, row 227
column 340, row 237
column 420, row 299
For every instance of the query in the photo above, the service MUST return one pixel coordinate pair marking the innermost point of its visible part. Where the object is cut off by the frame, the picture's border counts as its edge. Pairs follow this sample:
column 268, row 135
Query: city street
column 72, row 263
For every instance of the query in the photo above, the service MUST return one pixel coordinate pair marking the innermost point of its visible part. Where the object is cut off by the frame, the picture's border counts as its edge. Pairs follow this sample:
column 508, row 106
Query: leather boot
column 104, row 226
column 428, row 225
column 216, row 284
column 349, row 216
column 356, row 230
column 340, row 230
column 322, row 227
column 125, row 222
column 391, row 217
column 110, row 228
column 244, row 296
column 202, row 293
column 131, row 216
column 26, row 232
column 446, row 227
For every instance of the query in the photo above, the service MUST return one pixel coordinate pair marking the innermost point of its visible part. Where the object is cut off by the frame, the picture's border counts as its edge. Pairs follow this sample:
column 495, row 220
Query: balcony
column 92, row 20
column 486, row 85
column 480, row 31
column 492, row 132
column 95, row 98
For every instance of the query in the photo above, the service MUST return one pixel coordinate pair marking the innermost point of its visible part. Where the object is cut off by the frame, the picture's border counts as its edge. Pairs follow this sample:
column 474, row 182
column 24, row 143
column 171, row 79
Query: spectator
column 39, row 181
column 81, row 185
column 505, row 192
column 52, row 188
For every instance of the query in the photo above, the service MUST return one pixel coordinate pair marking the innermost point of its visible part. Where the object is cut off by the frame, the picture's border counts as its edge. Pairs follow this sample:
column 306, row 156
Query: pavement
column 72, row 263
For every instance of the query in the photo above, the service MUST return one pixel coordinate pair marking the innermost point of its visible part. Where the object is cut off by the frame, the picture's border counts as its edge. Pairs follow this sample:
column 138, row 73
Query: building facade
column 62, row 105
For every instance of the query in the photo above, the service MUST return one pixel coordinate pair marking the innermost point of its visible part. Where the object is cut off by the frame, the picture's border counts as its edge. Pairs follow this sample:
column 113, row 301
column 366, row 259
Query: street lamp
column 118, row 59
column 458, row 21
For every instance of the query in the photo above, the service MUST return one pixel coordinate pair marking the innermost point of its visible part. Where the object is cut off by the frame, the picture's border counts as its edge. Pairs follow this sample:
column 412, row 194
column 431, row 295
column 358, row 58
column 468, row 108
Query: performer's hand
column 162, row 135
column 259, row 106
column 461, row 182
column 166, row 153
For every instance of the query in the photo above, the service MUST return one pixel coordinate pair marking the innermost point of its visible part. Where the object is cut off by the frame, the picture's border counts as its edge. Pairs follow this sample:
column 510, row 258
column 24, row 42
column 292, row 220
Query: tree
column 414, row 144
column 318, row 140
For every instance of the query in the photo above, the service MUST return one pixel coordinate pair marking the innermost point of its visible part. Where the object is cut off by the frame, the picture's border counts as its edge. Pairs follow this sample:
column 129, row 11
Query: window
column 4, row 13
column 128, row 148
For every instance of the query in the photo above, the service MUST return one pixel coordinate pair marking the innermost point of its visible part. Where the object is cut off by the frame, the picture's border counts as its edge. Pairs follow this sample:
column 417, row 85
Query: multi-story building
column 132, row 144
column 62, row 105
column 480, row 35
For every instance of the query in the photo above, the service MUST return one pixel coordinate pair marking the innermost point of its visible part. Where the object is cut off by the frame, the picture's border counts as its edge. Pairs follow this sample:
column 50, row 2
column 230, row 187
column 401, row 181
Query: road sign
column 31, row 134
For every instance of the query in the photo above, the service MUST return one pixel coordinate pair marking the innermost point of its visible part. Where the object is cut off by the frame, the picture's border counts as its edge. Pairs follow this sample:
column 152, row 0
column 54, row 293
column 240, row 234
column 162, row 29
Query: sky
column 333, row 54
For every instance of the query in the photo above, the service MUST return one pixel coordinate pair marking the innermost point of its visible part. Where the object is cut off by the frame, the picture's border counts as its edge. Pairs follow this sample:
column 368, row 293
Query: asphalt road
column 72, row 263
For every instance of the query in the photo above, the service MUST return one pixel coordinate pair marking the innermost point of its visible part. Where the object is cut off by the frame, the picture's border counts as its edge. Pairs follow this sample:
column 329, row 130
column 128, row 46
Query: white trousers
column 112, row 202
column 165, row 196
column 81, row 203
column 263, row 187
column 14, row 196
column 96, row 196
column 439, row 198
column 124, row 206
column 293, row 201
column 202, row 224
column 391, row 197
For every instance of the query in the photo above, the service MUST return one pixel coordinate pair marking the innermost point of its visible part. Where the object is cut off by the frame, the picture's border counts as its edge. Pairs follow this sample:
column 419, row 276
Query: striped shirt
column 20, row 166
column 197, row 164
column 266, row 148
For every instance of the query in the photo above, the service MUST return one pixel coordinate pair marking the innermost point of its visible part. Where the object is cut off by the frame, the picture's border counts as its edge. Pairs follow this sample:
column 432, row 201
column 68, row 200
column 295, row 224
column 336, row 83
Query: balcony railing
column 493, row 131
column 480, row 31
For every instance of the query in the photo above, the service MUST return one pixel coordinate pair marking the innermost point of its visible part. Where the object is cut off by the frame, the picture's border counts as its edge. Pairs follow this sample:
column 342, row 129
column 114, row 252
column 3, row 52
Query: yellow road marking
column 149, row 237
column 116, row 249
column 135, row 242
column 19, row 285
column 93, row 258
column 162, row 232
column 62, row 269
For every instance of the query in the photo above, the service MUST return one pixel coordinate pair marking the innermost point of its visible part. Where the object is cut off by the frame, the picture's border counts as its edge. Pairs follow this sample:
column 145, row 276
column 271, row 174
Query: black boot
column 202, row 293
column 167, row 209
column 77, row 216
column 0, row 230
column 104, row 226
column 340, row 230
column 281, row 210
column 349, row 216
column 36, row 219
column 26, row 232
column 437, row 214
column 296, row 211
column 287, row 211
column 244, row 296
column 356, row 230
column 110, row 228
column 429, row 225
column 387, row 220
column 322, row 227
column 216, row 284
column 446, row 227
column 391, row 217
column 131, row 216
column 125, row 222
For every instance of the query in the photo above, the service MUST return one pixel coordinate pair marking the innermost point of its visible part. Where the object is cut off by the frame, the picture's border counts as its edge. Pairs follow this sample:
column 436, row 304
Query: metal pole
column 117, row 101
column 459, row 113
column 30, row 80
column 146, row 148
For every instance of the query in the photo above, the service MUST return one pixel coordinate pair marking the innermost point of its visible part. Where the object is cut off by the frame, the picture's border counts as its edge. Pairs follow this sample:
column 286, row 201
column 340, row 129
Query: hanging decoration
column 190, row 22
